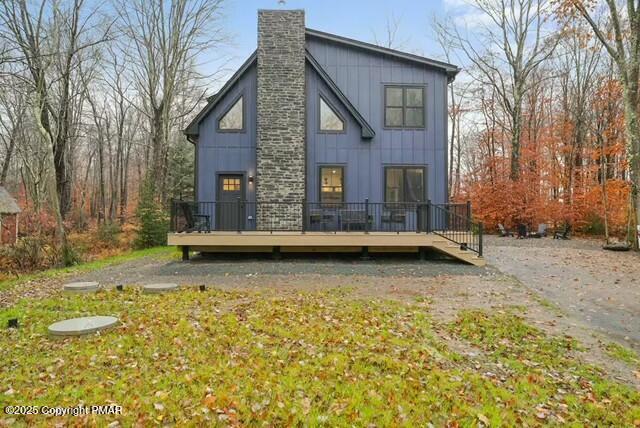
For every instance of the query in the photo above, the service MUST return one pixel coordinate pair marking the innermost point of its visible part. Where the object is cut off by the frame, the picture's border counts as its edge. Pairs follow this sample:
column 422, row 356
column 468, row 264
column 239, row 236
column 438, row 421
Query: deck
column 337, row 242
column 280, row 227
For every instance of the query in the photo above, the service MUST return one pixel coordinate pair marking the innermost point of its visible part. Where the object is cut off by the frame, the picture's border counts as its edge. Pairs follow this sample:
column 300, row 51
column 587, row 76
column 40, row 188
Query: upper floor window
column 233, row 119
column 404, row 107
column 330, row 120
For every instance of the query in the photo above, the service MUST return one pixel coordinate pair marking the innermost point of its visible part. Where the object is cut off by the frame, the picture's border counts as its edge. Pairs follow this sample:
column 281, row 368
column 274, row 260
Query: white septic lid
column 80, row 326
column 80, row 287
column 159, row 288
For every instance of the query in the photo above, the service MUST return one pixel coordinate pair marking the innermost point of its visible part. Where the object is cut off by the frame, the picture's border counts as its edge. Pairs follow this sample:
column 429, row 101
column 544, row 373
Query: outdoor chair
column 394, row 216
column 322, row 219
column 562, row 234
column 504, row 232
column 193, row 221
column 542, row 231
column 353, row 219
column 394, row 219
column 522, row 231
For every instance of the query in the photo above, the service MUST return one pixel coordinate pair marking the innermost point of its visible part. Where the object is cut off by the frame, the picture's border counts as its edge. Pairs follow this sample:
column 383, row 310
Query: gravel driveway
column 598, row 288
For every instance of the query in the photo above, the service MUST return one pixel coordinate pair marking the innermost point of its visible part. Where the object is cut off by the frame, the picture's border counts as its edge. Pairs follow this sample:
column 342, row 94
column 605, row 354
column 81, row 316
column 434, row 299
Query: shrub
column 108, row 233
column 594, row 225
column 28, row 254
column 70, row 255
column 32, row 223
column 153, row 220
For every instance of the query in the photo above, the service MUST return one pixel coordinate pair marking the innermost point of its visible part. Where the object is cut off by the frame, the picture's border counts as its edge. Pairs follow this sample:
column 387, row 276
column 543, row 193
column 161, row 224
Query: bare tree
column 390, row 37
column 457, row 94
column 620, row 36
column 13, row 108
column 577, row 69
column 49, row 40
column 164, row 38
column 514, row 38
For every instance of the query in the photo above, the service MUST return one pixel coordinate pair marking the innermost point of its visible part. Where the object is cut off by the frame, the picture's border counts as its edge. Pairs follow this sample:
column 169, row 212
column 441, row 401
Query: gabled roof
column 367, row 130
column 450, row 69
column 8, row 205
column 192, row 129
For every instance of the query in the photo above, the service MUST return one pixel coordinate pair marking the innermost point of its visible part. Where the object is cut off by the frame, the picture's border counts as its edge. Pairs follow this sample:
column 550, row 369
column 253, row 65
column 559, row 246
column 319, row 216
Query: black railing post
column 304, row 216
column 172, row 216
column 239, row 215
column 480, row 233
column 419, row 206
column 366, row 215
column 428, row 216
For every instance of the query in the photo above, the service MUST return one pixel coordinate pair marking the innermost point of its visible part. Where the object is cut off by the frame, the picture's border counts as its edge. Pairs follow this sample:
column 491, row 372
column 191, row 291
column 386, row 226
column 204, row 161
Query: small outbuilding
column 9, row 211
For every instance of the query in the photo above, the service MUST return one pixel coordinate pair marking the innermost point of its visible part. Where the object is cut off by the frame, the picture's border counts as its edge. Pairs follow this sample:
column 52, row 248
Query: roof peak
column 450, row 69
column 8, row 204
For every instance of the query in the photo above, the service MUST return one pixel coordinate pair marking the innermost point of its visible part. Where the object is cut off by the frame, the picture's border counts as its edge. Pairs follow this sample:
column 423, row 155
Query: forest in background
column 545, row 128
column 543, row 118
column 95, row 97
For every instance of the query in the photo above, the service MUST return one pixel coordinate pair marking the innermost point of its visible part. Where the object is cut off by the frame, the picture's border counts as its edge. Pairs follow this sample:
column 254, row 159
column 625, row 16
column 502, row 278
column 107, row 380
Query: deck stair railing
column 449, row 223
column 452, row 222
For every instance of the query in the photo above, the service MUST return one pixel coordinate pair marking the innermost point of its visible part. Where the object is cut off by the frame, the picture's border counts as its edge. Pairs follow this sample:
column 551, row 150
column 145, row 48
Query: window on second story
column 233, row 119
column 404, row 107
column 330, row 120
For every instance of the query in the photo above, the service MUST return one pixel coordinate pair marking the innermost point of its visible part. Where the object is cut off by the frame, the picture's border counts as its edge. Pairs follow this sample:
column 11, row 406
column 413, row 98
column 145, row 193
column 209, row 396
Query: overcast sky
column 357, row 19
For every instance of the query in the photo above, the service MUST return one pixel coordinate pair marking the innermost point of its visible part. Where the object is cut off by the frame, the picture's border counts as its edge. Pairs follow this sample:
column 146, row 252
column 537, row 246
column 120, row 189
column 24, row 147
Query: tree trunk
column 101, row 183
column 155, row 172
column 7, row 161
column 632, row 129
column 60, row 149
column 124, row 193
column 605, row 202
column 515, row 140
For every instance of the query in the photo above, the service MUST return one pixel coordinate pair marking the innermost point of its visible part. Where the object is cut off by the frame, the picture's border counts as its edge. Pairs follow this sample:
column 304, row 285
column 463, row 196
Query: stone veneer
column 280, row 175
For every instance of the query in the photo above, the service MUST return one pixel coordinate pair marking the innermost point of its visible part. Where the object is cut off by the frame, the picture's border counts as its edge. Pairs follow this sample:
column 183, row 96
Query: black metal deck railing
column 450, row 221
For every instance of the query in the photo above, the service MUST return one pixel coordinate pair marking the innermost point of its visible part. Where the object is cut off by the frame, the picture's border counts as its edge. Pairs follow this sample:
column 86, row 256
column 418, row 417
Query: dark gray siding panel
column 220, row 152
column 361, row 76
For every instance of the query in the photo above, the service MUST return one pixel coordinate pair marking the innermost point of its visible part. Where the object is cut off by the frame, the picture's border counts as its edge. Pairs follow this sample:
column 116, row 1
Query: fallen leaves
column 482, row 418
column 304, row 359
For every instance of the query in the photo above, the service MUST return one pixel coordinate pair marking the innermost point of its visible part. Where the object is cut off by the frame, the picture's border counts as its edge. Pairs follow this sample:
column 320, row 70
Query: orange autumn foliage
column 562, row 175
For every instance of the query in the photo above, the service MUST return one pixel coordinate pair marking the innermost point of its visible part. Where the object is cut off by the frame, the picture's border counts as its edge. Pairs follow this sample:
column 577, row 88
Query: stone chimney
column 280, row 175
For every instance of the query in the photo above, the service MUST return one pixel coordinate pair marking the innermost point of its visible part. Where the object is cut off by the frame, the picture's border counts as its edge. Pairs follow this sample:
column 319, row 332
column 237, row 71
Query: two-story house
column 319, row 142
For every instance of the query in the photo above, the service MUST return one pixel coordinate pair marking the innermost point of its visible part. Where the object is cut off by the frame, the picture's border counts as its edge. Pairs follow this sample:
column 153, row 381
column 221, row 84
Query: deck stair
column 453, row 250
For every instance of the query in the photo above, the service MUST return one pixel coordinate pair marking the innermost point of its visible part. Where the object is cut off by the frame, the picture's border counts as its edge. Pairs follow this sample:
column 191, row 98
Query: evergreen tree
column 152, row 217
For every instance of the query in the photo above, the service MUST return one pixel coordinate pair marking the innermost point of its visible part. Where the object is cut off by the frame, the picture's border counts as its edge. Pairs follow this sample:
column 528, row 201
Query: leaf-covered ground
column 322, row 358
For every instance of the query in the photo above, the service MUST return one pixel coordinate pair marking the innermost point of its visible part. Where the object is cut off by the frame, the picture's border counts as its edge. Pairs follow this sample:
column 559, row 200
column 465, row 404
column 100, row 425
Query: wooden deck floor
column 376, row 242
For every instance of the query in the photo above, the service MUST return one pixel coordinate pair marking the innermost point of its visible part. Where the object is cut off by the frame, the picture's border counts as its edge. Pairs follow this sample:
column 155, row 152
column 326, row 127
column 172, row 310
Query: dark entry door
column 230, row 205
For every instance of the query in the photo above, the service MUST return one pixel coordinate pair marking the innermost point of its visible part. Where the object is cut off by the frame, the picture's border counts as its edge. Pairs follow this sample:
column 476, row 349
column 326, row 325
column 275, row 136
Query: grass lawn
column 325, row 358
column 90, row 266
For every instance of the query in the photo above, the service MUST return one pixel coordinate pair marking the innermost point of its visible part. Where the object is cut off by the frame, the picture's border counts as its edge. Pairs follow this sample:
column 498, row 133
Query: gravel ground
column 201, row 270
column 598, row 288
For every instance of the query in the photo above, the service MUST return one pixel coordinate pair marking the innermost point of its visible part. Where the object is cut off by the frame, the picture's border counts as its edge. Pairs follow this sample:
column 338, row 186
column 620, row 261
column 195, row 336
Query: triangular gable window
column 233, row 119
column 330, row 120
